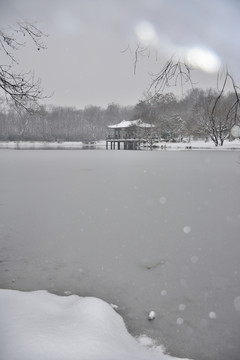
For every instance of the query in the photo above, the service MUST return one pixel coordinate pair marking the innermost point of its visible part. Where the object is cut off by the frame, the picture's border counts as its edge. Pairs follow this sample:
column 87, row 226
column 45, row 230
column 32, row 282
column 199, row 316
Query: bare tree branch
column 139, row 51
column 171, row 73
column 21, row 88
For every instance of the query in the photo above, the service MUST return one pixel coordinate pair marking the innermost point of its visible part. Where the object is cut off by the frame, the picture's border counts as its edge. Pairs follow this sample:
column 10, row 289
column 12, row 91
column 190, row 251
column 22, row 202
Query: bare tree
column 93, row 115
column 221, row 114
column 225, row 111
column 21, row 88
column 216, row 113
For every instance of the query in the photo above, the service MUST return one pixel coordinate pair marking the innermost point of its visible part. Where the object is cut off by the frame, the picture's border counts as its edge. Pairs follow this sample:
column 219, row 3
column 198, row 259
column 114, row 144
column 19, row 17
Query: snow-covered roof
column 129, row 123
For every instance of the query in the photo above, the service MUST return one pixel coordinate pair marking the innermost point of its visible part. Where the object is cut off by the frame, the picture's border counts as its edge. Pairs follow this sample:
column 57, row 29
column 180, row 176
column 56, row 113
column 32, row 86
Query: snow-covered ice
column 237, row 303
column 91, row 223
column 42, row 326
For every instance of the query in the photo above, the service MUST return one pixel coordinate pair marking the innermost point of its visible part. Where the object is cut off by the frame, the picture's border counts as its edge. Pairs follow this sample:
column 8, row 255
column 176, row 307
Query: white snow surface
column 39, row 325
column 40, row 145
column 201, row 145
column 194, row 144
column 129, row 123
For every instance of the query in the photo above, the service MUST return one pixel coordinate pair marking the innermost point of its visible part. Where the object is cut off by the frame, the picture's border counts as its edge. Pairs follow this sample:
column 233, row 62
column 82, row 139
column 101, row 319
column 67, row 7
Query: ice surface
column 237, row 303
column 91, row 223
column 38, row 325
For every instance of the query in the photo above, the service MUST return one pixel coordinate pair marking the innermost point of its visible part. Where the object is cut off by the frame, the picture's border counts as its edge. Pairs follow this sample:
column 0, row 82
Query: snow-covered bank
column 41, row 145
column 194, row 145
column 39, row 325
column 200, row 145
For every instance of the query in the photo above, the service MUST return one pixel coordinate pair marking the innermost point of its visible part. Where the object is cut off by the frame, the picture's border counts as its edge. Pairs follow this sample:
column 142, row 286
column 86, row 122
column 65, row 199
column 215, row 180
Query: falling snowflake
column 212, row 315
column 182, row 307
column 163, row 200
column 187, row 229
column 180, row 321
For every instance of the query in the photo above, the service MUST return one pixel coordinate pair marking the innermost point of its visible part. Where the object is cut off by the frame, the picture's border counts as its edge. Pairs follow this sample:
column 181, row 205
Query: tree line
column 55, row 123
column 194, row 115
column 199, row 114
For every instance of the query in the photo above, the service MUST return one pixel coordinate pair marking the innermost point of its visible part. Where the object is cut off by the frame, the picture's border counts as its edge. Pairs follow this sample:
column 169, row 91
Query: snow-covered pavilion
column 130, row 133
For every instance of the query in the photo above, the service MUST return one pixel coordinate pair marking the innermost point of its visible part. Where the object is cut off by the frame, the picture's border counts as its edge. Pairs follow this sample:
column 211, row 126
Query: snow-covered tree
column 215, row 114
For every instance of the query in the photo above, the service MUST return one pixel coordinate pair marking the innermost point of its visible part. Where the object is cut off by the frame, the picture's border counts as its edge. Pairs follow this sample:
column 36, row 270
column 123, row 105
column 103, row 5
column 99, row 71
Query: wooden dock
column 126, row 144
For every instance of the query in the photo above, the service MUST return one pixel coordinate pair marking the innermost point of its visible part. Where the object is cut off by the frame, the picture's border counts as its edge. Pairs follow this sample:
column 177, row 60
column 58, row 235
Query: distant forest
column 194, row 115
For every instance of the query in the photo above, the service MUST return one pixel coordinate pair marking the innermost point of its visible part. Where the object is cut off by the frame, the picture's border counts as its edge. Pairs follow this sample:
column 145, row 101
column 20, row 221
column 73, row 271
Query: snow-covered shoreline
column 40, row 145
column 201, row 145
column 39, row 325
column 71, row 145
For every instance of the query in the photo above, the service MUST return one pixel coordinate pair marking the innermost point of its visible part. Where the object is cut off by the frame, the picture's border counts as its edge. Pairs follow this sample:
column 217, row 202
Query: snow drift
column 39, row 325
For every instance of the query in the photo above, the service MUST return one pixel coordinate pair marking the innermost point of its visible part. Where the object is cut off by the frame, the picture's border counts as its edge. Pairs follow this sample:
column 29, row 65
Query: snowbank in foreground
column 39, row 325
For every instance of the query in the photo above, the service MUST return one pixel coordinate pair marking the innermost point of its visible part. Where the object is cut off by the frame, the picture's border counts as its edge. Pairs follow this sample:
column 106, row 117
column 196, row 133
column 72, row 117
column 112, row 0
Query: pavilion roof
column 129, row 123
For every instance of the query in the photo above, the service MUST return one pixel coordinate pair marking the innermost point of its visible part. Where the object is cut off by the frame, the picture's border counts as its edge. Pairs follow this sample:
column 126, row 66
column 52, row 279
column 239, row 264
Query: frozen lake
column 143, row 230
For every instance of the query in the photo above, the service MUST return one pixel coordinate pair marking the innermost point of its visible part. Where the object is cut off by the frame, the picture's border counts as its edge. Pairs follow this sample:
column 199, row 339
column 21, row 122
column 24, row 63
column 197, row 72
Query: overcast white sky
column 84, row 63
